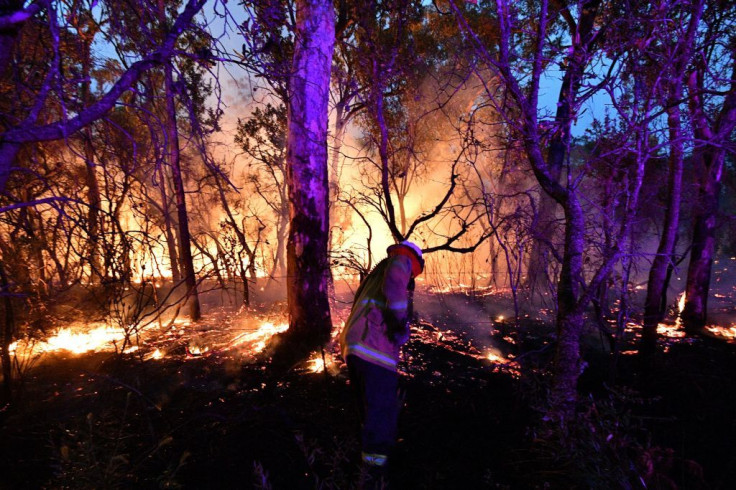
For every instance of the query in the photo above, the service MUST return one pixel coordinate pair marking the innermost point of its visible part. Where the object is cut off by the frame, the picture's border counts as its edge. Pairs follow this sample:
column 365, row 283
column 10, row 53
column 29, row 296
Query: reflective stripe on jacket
column 364, row 334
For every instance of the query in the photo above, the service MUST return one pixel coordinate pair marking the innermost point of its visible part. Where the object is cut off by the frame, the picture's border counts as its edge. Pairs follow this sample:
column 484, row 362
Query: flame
column 681, row 302
column 680, row 307
column 259, row 337
column 495, row 358
column 316, row 364
column 157, row 354
column 670, row 331
column 73, row 340
column 197, row 350
column 728, row 333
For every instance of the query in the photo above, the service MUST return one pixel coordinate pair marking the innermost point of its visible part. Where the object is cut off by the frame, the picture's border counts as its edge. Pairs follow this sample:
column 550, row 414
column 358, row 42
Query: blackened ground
column 105, row 422
column 102, row 422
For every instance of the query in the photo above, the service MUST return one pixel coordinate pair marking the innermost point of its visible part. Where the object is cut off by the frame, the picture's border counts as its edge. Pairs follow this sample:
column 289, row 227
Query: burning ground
column 196, row 406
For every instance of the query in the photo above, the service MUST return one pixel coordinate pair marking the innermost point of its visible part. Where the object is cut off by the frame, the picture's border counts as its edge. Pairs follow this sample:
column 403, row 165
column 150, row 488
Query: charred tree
column 306, row 155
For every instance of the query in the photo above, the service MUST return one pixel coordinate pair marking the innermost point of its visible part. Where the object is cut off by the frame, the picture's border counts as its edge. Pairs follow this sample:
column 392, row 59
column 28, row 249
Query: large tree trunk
column 654, row 307
column 307, row 262
column 185, row 248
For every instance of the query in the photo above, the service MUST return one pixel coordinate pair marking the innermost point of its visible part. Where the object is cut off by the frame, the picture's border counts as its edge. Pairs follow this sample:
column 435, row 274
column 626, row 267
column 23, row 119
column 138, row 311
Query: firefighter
column 376, row 329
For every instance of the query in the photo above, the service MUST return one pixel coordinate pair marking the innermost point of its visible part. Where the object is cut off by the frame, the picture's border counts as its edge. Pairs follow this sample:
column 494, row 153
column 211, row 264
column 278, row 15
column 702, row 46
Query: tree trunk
column 657, row 285
column 279, row 261
column 307, row 262
column 171, row 244
column 570, row 319
column 545, row 230
column 94, row 201
column 185, row 250
column 712, row 157
column 537, row 276
column 694, row 314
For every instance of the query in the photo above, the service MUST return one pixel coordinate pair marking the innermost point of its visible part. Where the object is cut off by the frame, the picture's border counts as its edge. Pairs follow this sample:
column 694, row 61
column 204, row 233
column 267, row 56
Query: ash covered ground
column 209, row 414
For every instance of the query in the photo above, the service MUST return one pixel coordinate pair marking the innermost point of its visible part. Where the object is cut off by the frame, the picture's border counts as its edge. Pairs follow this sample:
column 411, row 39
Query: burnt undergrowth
column 102, row 421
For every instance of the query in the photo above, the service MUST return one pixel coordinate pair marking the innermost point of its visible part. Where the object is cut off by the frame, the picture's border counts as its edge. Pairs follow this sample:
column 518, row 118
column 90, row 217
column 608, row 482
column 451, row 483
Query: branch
column 47, row 200
column 11, row 21
column 62, row 129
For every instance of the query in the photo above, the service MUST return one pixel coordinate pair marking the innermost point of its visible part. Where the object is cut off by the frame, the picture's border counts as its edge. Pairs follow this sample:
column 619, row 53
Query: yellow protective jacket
column 364, row 334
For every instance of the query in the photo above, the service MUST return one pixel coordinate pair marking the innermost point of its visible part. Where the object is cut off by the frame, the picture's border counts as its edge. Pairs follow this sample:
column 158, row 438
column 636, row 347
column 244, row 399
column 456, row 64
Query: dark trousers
column 378, row 404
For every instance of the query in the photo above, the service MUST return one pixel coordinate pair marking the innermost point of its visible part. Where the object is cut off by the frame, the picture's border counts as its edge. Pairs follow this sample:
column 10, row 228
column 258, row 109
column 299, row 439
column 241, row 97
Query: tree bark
column 310, row 323
column 570, row 318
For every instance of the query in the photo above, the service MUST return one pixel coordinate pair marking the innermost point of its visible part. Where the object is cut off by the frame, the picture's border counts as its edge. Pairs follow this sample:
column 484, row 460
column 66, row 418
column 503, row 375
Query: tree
column 415, row 86
column 711, row 84
column 675, row 56
column 530, row 40
column 263, row 138
column 306, row 156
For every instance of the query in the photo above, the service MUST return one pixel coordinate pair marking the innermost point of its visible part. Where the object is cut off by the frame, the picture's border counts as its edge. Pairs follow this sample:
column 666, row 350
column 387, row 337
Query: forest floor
column 224, row 421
